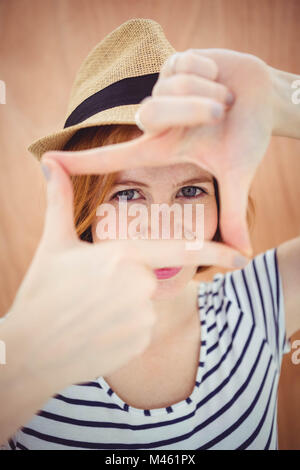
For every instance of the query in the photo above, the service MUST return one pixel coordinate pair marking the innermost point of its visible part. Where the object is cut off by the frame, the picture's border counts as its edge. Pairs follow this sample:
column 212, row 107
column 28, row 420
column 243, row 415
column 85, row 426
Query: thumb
column 233, row 213
column 59, row 226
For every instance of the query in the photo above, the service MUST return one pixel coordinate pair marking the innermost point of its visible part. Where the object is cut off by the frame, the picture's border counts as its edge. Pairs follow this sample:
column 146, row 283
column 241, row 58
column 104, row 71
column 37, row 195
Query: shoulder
column 254, row 294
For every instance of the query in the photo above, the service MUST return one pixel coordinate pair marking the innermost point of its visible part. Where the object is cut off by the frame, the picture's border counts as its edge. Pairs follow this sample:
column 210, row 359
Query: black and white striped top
column 234, row 402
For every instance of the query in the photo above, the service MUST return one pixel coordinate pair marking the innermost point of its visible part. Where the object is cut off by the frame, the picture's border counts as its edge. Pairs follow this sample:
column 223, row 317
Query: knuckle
column 210, row 65
column 188, row 59
column 146, row 100
column 207, row 62
column 181, row 84
column 147, row 111
column 222, row 91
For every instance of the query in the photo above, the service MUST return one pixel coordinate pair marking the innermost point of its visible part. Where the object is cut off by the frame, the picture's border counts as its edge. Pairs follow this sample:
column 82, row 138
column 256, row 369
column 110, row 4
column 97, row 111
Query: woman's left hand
column 180, row 127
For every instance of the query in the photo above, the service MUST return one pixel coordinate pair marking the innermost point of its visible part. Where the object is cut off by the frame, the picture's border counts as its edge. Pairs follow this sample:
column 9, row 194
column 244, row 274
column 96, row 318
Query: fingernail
column 229, row 98
column 46, row 171
column 240, row 261
column 217, row 110
column 138, row 121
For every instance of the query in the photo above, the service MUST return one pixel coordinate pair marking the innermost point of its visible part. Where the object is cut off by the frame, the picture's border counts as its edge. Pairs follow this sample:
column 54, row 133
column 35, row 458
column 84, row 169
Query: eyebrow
column 203, row 179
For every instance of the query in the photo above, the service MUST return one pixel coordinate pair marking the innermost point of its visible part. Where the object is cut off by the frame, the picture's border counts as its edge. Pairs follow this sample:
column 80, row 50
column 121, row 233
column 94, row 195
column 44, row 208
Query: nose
column 165, row 222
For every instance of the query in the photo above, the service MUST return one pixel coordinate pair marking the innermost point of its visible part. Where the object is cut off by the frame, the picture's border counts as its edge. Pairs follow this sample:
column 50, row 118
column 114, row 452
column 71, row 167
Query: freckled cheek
column 116, row 227
column 210, row 220
column 206, row 219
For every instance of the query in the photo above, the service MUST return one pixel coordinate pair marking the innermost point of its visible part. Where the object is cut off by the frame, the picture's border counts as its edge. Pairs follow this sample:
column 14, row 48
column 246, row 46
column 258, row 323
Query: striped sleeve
column 257, row 291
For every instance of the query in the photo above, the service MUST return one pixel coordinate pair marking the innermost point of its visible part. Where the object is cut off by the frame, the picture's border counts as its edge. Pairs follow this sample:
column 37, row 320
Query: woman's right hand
column 84, row 309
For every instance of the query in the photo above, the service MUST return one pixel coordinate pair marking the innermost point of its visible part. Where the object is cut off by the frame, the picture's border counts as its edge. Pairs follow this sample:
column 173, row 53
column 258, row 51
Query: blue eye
column 124, row 195
column 190, row 191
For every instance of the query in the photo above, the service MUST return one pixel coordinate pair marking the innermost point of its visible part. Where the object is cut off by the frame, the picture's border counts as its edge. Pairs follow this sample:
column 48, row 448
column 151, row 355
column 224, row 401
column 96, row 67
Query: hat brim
column 56, row 141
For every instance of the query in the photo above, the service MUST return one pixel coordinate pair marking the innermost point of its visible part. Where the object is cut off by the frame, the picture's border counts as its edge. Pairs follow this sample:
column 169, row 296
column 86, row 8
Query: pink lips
column 166, row 273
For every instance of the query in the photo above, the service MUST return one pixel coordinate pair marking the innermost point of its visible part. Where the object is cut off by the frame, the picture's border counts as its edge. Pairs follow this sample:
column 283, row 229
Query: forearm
column 286, row 103
column 22, row 392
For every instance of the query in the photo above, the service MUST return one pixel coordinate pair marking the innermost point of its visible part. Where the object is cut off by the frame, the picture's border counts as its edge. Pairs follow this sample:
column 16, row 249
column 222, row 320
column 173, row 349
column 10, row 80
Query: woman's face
column 180, row 184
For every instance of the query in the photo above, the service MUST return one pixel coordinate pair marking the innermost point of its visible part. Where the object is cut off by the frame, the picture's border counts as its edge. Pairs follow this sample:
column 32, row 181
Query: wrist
column 286, row 103
column 19, row 346
column 22, row 393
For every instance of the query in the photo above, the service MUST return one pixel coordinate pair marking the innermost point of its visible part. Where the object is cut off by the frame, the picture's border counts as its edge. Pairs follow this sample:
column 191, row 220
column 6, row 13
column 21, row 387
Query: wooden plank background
column 43, row 43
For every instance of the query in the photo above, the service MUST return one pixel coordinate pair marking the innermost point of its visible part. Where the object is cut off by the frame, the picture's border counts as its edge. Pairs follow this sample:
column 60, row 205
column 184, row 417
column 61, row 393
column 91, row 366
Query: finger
column 162, row 112
column 168, row 253
column 140, row 152
column 59, row 226
column 184, row 84
column 233, row 213
column 189, row 62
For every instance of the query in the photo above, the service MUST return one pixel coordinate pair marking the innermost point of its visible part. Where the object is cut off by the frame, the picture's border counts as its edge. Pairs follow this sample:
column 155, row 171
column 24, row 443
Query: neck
column 173, row 314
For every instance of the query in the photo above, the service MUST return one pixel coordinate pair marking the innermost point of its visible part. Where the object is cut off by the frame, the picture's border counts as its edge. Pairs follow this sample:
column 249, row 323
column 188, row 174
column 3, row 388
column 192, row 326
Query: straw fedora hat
column 118, row 73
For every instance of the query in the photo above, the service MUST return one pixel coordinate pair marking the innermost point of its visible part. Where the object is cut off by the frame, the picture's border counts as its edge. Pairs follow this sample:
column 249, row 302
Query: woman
column 207, row 375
